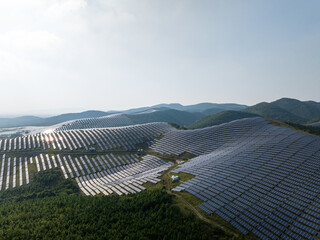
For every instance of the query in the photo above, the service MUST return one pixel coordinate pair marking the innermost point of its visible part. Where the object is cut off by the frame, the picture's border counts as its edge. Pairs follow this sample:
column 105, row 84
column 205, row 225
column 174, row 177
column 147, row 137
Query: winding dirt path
column 166, row 179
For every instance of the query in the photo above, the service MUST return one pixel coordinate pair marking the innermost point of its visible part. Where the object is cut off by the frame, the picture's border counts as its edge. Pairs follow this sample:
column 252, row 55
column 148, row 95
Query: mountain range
column 287, row 110
column 282, row 110
column 177, row 113
column 192, row 116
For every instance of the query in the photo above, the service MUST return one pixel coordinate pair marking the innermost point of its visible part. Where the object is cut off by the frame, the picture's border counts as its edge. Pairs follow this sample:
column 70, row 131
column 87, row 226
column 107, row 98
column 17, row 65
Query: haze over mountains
column 193, row 116
column 175, row 112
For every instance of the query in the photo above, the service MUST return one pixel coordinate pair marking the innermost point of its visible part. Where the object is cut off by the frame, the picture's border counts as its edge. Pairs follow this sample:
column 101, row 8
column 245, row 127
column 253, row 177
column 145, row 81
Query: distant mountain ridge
column 283, row 110
column 200, row 107
column 191, row 113
column 182, row 118
column 37, row 121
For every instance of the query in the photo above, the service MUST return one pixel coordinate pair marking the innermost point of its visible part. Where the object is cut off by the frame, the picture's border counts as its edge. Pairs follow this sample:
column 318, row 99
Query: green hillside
column 287, row 110
column 269, row 110
column 214, row 110
column 307, row 110
column 314, row 104
column 220, row 118
column 52, row 207
column 181, row 118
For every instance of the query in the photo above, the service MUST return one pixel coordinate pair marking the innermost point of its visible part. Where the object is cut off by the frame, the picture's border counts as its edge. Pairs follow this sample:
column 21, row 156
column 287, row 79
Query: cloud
column 99, row 49
column 23, row 40
column 61, row 9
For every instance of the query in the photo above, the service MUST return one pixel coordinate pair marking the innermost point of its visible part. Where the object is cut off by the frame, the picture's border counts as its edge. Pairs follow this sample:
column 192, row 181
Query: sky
column 61, row 56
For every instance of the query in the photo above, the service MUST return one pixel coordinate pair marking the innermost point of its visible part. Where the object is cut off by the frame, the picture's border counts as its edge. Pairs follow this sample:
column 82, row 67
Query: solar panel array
column 104, row 174
column 206, row 140
column 125, row 179
column 13, row 172
column 105, row 171
column 83, row 164
column 266, row 181
column 125, row 138
column 115, row 120
column 261, row 178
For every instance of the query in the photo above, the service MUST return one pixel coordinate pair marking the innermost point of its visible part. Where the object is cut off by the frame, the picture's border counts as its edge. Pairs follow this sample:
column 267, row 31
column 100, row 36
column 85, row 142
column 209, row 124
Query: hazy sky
column 73, row 55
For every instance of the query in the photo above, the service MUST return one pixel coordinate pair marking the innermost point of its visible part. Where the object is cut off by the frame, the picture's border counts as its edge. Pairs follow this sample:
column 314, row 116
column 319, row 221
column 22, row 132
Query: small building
column 175, row 178
column 180, row 162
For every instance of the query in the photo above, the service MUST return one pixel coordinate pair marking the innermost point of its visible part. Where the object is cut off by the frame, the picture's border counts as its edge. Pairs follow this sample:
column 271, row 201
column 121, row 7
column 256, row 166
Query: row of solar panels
column 124, row 180
column 115, row 120
column 13, row 172
column 106, row 139
column 82, row 165
column 104, row 174
column 206, row 140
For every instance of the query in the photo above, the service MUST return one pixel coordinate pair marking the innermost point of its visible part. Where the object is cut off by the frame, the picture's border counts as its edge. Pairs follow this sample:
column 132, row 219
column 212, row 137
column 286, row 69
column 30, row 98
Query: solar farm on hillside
column 261, row 178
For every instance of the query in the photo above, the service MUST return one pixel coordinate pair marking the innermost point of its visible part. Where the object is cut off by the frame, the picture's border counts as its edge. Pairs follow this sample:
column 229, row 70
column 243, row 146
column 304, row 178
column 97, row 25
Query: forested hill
column 52, row 207
column 287, row 110
column 219, row 118
column 182, row 118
